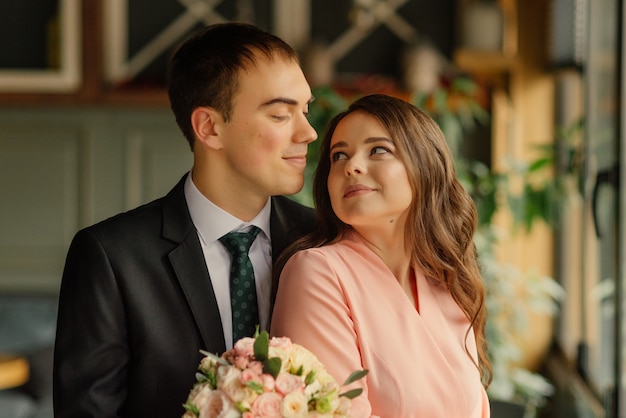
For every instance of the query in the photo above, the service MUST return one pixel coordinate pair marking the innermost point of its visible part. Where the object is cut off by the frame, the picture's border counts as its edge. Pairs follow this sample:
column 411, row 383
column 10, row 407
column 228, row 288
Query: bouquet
column 263, row 377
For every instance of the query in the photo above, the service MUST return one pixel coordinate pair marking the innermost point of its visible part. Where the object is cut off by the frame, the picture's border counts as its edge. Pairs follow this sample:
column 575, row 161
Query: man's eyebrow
column 285, row 100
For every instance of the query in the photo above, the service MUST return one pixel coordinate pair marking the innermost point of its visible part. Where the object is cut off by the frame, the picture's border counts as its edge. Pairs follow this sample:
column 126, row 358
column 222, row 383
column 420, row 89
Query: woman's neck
column 391, row 249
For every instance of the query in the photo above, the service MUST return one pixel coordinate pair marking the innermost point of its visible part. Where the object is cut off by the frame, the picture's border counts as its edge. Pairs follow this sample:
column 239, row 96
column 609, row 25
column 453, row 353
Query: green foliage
column 455, row 108
column 351, row 394
column 262, row 346
column 261, row 353
column 354, row 376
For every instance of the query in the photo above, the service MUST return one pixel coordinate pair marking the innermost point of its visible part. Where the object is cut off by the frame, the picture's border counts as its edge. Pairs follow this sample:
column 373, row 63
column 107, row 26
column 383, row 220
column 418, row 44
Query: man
column 144, row 291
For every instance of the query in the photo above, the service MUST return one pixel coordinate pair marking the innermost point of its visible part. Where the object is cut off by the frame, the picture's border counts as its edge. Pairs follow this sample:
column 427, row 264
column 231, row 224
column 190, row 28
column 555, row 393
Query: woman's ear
column 204, row 120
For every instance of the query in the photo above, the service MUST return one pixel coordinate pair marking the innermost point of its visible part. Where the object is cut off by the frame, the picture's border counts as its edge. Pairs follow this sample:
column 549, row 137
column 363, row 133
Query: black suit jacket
column 136, row 305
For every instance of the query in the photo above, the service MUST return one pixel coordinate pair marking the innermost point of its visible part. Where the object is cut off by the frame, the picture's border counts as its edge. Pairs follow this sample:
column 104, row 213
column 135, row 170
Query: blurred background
column 528, row 92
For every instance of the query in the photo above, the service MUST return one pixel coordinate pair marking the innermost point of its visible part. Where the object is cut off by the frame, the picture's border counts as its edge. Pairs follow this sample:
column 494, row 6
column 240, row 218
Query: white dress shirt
column 211, row 223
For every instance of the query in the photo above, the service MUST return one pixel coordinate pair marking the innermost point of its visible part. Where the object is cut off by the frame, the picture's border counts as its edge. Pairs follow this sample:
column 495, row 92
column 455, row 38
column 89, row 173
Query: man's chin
column 294, row 188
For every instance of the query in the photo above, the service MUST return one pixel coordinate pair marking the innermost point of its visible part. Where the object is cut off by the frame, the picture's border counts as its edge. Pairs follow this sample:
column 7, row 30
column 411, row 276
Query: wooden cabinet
column 522, row 93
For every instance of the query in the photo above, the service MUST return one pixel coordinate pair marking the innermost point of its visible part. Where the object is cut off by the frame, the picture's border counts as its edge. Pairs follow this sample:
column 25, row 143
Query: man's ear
column 204, row 121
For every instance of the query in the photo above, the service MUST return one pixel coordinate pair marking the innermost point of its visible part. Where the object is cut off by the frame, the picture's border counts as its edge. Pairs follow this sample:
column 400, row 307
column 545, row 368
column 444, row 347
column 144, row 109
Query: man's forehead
column 260, row 59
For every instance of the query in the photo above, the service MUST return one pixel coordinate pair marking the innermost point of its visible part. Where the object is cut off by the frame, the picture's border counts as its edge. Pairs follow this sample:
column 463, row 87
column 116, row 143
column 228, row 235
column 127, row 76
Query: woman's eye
column 338, row 156
column 380, row 150
column 279, row 117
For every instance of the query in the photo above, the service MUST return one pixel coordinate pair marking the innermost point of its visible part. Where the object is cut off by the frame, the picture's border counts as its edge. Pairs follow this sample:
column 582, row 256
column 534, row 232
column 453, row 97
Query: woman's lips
column 355, row 190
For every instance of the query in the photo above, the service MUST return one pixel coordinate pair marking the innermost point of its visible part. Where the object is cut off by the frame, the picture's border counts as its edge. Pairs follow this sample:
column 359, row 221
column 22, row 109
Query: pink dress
column 343, row 303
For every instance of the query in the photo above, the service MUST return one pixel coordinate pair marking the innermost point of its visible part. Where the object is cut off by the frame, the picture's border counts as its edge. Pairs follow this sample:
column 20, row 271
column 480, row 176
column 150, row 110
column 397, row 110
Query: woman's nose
column 354, row 166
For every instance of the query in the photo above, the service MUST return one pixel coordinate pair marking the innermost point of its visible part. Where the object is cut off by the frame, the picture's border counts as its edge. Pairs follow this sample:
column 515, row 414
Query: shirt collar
column 212, row 222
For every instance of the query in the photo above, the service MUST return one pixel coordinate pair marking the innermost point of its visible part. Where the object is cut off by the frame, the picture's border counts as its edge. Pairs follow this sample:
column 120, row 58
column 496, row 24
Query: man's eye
column 338, row 156
column 279, row 117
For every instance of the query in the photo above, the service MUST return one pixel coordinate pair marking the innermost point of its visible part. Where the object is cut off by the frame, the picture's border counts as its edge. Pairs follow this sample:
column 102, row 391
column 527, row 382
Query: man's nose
column 306, row 133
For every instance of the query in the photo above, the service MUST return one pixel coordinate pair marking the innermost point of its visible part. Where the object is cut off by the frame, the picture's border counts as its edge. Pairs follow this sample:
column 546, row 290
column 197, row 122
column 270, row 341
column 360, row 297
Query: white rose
column 312, row 388
column 200, row 395
column 283, row 355
column 343, row 408
column 229, row 382
column 294, row 405
column 301, row 357
column 218, row 406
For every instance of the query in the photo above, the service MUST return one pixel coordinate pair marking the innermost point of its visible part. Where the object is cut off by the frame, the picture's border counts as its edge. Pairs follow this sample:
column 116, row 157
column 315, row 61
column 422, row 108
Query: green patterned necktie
column 245, row 312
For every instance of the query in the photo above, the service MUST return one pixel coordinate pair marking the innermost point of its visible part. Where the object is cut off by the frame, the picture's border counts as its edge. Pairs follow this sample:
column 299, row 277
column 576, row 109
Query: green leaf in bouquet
column 215, row 358
column 354, row 376
column 262, row 347
column 351, row 394
column 272, row 366
column 192, row 408
column 202, row 377
column 310, row 377
column 256, row 387
column 324, row 405
column 298, row 371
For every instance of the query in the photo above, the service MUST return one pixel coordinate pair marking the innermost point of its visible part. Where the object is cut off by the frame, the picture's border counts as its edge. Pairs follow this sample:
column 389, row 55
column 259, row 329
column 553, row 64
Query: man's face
column 265, row 142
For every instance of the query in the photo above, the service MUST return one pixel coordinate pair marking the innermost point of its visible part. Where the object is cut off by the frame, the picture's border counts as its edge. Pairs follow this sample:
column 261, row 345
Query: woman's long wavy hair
column 442, row 218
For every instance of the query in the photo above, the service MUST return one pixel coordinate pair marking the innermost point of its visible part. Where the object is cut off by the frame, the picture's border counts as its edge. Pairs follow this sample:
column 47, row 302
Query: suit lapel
column 189, row 266
column 190, row 269
column 284, row 229
column 280, row 228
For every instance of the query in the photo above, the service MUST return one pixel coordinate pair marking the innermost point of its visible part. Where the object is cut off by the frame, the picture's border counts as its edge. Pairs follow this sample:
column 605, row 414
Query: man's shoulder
column 148, row 214
column 141, row 214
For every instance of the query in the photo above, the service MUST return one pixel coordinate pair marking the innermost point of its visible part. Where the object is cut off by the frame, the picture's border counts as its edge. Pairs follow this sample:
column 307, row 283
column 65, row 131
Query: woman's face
column 367, row 183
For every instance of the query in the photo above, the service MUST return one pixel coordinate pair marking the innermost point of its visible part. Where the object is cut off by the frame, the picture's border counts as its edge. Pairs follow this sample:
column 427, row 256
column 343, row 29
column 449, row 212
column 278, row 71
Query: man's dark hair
column 205, row 69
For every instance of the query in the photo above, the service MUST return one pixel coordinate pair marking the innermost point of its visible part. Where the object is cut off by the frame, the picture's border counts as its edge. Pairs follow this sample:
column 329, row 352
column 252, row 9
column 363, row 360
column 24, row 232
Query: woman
column 390, row 282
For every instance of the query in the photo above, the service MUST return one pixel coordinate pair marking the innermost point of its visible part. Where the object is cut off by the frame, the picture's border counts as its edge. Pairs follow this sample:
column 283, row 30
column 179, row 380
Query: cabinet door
column 41, row 42
column 61, row 170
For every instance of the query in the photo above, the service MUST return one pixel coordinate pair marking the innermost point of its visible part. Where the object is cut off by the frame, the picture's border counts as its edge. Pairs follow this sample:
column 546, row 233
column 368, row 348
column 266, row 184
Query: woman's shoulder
column 346, row 247
column 342, row 259
column 317, row 254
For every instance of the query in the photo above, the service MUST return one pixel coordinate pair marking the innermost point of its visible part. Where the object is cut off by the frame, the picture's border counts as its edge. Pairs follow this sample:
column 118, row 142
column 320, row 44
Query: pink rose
column 286, row 383
column 244, row 347
column 281, row 342
column 249, row 375
column 256, row 366
column 229, row 355
column 268, row 382
column 267, row 405
column 241, row 362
